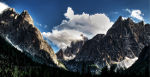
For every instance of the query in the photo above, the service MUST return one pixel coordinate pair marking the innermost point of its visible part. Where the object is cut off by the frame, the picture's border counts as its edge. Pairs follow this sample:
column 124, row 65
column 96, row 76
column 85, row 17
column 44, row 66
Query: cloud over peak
column 76, row 24
column 3, row 6
column 88, row 24
column 135, row 14
column 63, row 38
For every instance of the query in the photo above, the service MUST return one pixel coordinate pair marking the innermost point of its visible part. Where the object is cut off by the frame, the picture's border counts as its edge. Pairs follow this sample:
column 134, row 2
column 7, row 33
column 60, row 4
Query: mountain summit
column 20, row 30
column 124, row 39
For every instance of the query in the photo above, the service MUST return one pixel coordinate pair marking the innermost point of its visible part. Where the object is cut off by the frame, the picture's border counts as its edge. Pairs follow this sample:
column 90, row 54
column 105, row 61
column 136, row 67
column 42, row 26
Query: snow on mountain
column 70, row 57
column 126, row 63
column 16, row 46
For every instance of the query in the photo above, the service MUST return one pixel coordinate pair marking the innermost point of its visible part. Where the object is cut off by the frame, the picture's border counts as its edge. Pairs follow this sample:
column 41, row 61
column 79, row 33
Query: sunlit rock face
column 20, row 30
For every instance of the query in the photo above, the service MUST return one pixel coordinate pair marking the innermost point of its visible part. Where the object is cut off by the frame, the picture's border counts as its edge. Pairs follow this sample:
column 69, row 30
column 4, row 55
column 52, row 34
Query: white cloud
column 3, row 6
column 136, row 14
column 77, row 24
column 63, row 38
column 70, row 13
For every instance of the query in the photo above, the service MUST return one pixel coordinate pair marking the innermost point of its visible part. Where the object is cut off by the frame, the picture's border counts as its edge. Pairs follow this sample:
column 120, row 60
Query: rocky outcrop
column 70, row 52
column 20, row 29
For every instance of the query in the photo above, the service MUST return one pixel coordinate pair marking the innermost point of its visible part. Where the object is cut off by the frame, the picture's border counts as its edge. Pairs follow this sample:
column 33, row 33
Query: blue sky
column 48, row 14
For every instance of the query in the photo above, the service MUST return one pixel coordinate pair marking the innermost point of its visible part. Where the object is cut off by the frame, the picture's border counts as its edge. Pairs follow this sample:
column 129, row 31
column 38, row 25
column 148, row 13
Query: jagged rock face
column 71, row 51
column 90, row 46
column 124, row 39
column 20, row 30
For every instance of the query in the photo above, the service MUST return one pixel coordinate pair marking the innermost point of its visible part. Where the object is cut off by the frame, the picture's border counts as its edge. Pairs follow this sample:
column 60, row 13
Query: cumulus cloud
column 3, row 6
column 136, row 14
column 76, row 24
column 63, row 38
column 70, row 13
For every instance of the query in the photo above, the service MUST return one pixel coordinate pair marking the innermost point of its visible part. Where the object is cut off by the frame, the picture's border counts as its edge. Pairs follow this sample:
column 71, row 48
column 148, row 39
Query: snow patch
column 16, row 46
column 126, row 63
column 70, row 57
column 124, row 18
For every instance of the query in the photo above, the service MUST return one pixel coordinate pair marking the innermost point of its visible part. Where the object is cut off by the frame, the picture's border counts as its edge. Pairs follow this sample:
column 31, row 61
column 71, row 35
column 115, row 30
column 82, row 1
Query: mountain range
column 123, row 43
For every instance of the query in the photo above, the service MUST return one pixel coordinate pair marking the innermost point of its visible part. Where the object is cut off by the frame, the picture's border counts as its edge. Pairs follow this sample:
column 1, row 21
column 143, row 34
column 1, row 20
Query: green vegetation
column 94, row 65
column 62, row 65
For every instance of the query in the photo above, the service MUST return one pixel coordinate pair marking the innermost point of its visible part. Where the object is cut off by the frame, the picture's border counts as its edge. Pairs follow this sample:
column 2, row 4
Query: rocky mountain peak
column 129, row 22
column 8, row 14
column 21, row 31
column 123, row 22
column 119, row 19
column 26, row 16
column 141, row 23
column 84, row 38
column 70, row 52
column 129, row 19
column 117, row 23
column 124, row 39
column 11, row 9
column 60, row 54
